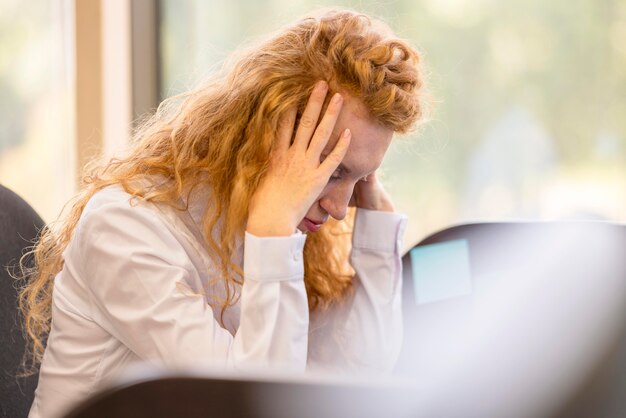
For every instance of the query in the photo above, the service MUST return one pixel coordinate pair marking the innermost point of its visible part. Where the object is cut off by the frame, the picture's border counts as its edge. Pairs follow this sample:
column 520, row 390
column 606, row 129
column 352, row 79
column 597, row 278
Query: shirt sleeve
column 364, row 332
column 137, row 274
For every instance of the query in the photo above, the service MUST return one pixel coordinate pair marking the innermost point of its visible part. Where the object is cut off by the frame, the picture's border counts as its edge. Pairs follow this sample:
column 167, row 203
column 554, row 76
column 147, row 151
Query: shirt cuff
column 273, row 258
column 379, row 231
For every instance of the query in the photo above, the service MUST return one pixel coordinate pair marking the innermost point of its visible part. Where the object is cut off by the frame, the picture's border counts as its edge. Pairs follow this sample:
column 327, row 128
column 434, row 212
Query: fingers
column 332, row 161
column 285, row 129
column 310, row 116
column 325, row 128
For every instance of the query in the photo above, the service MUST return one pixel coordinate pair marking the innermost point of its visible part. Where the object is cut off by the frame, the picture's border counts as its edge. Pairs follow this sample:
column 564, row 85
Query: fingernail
column 321, row 86
column 337, row 98
column 346, row 133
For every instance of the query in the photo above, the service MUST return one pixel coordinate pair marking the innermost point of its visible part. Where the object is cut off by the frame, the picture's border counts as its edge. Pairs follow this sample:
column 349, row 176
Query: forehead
column 370, row 139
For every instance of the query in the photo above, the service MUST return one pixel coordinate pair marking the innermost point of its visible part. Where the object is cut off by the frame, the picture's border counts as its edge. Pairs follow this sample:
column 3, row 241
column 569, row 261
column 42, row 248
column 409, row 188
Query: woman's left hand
column 370, row 194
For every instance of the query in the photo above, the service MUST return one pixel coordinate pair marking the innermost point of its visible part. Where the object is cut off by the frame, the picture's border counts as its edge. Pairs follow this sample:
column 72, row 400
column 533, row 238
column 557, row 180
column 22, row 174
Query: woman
column 192, row 248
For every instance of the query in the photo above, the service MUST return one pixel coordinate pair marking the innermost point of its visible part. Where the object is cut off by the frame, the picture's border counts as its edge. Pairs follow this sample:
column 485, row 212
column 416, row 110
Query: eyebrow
column 344, row 168
column 341, row 166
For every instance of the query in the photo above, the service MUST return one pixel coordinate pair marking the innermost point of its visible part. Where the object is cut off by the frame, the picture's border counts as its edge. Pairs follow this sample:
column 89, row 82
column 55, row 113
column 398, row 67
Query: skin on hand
column 370, row 194
column 296, row 175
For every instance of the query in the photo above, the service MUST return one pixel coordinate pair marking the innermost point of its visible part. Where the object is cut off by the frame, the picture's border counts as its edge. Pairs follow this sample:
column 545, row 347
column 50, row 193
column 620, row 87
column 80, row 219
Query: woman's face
column 370, row 141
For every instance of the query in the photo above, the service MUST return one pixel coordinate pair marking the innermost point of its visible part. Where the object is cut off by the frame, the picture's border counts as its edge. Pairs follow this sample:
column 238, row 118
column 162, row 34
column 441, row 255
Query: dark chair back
column 19, row 227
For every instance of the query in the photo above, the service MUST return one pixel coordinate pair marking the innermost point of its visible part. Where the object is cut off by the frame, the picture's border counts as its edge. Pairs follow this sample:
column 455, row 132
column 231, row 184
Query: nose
column 335, row 201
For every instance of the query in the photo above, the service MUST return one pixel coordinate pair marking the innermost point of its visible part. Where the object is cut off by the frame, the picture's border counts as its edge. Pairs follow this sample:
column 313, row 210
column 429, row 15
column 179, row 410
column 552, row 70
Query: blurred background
column 528, row 122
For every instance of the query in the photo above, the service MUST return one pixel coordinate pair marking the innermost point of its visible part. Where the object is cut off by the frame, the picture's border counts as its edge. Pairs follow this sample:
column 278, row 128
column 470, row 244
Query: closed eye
column 336, row 175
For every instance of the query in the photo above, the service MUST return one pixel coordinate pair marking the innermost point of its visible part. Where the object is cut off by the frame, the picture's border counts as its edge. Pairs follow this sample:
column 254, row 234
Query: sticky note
column 441, row 271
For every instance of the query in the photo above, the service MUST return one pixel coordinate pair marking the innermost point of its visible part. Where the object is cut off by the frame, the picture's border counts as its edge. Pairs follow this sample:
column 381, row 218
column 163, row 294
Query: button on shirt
column 138, row 284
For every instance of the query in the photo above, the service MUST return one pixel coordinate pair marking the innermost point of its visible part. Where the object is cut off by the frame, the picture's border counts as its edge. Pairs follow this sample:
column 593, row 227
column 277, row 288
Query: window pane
column 36, row 153
column 529, row 101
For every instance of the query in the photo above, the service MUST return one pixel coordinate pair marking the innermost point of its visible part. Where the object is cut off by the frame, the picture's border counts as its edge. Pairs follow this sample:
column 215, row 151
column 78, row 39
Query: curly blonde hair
column 220, row 135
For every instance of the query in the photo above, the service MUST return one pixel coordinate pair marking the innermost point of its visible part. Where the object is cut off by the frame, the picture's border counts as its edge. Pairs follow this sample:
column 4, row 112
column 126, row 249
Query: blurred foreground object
column 518, row 320
column 148, row 392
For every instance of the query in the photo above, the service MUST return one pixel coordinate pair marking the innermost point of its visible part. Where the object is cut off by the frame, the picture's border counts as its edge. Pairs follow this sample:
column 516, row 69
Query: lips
column 311, row 225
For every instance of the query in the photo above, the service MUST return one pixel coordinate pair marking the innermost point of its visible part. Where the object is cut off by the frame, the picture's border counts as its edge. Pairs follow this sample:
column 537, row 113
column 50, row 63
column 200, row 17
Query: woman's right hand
column 296, row 177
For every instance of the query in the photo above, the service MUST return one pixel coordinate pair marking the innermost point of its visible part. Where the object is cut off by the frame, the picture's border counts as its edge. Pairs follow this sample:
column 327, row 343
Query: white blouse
column 138, row 285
